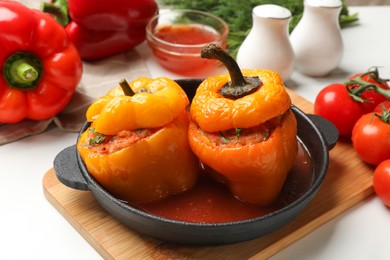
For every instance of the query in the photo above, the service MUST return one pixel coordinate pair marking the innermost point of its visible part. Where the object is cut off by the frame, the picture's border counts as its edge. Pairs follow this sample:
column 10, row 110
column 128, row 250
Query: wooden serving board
column 348, row 182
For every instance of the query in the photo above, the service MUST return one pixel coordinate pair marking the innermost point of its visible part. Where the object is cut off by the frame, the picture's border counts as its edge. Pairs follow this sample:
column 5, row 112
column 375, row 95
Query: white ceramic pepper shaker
column 317, row 40
column 267, row 46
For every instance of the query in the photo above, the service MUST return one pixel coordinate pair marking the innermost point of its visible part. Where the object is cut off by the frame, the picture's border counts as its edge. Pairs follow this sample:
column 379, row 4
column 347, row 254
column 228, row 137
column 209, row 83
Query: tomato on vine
column 381, row 182
column 344, row 103
column 371, row 137
column 372, row 97
column 335, row 104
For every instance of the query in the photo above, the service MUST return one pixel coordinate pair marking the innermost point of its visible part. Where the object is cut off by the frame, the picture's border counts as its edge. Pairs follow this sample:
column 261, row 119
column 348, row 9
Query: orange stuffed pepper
column 243, row 129
column 137, row 146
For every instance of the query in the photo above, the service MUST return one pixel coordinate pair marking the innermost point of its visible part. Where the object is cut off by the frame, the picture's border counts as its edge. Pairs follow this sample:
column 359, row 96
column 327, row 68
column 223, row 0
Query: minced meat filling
column 105, row 144
column 243, row 136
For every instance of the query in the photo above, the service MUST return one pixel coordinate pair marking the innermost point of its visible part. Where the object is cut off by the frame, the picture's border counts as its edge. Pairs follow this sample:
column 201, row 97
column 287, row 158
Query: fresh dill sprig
column 238, row 15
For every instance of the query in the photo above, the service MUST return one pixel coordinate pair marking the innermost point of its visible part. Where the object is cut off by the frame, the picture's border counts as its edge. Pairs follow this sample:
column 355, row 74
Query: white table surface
column 31, row 228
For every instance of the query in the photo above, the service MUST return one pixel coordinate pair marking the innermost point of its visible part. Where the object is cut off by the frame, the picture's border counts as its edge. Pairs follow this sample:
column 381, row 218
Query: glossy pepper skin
column 100, row 29
column 40, row 66
column 256, row 167
column 146, row 166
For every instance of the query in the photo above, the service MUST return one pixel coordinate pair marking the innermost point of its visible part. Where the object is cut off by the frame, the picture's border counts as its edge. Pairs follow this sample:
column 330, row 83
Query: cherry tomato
column 371, row 139
column 335, row 104
column 372, row 98
column 381, row 182
column 384, row 105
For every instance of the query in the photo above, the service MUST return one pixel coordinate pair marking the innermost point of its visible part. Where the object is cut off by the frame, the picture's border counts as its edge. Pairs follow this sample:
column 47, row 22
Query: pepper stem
column 22, row 70
column 239, row 86
column 126, row 88
column 58, row 9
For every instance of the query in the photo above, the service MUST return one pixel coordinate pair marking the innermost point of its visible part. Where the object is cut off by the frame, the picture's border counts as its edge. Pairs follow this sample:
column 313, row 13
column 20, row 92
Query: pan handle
column 67, row 169
column 328, row 130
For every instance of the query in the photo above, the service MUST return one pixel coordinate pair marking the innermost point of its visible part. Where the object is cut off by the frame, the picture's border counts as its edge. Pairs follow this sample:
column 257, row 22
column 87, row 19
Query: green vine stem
column 357, row 85
column 385, row 116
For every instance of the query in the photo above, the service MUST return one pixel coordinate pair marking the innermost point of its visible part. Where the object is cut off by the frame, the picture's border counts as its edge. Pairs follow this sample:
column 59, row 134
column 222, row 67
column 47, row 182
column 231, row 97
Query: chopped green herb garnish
column 99, row 138
column 238, row 132
column 224, row 138
column 265, row 135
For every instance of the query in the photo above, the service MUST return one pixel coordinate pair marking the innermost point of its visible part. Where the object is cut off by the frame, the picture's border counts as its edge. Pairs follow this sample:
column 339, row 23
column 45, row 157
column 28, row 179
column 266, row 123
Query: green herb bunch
column 238, row 14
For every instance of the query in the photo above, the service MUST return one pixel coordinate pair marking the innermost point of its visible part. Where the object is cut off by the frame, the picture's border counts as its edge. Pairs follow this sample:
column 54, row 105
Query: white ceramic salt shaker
column 267, row 45
column 317, row 40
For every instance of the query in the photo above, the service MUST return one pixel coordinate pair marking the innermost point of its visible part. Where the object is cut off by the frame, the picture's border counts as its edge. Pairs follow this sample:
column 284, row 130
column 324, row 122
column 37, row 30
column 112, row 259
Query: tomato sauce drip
column 211, row 201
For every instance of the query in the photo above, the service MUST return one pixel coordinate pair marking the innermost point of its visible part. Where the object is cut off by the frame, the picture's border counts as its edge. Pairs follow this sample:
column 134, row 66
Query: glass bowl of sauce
column 176, row 38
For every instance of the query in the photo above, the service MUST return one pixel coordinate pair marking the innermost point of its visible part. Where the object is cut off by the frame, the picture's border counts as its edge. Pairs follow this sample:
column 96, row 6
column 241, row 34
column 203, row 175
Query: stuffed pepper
column 137, row 146
column 243, row 129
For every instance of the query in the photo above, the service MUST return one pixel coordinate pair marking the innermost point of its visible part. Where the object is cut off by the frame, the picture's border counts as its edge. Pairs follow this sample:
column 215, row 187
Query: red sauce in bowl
column 178, row 47
column 186, row 34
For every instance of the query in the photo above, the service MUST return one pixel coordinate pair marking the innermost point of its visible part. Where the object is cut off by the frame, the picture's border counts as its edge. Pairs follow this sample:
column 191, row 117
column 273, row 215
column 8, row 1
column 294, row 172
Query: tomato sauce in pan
column 211, row 202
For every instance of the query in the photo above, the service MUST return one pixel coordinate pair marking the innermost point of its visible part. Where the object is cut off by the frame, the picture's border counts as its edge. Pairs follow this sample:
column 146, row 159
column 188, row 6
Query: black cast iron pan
column 316, row 133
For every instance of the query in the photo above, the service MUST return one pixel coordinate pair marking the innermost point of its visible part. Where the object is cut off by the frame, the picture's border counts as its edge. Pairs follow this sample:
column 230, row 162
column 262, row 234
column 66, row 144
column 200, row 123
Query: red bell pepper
column 103, row 28
column 40, row 66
